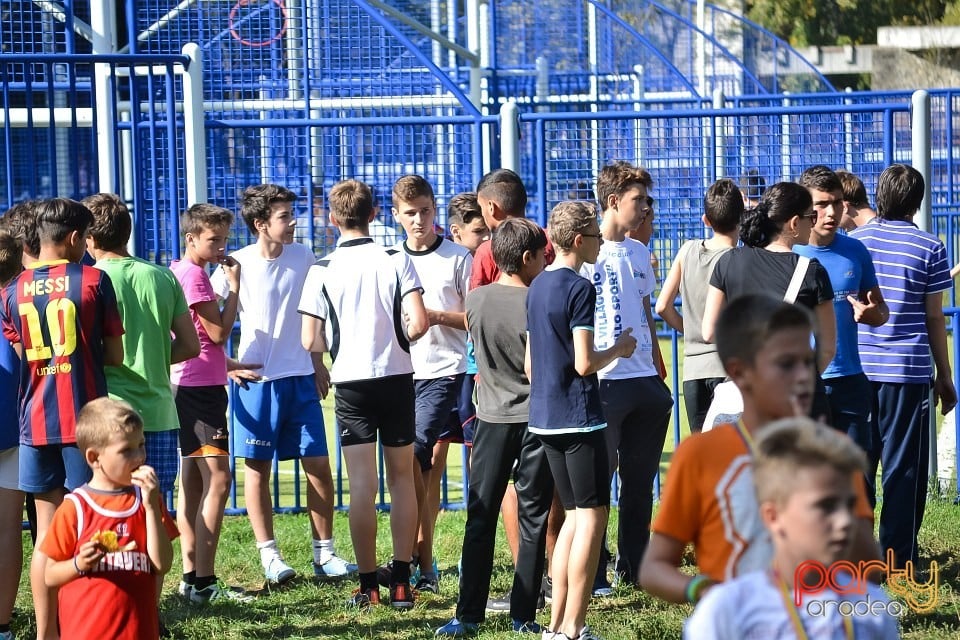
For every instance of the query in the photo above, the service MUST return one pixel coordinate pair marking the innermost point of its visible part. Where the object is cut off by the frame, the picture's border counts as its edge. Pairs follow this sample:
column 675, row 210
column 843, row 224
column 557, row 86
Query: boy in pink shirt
column 199, row 390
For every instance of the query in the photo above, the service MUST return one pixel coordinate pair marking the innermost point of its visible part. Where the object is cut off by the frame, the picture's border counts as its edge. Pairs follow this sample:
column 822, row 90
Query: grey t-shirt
column 497, row 317
column 700, row 358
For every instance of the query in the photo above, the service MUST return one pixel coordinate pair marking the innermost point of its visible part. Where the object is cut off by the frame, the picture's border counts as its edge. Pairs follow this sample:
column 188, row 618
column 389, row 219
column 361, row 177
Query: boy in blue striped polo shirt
column 912, row 272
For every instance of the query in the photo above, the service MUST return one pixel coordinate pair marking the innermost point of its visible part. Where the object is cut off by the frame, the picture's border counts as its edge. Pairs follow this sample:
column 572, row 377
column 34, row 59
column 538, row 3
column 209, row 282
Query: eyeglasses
column 810, row 215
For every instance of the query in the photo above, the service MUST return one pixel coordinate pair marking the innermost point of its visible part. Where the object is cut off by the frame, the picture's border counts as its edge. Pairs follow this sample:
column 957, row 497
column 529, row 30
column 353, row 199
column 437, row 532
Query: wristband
column 77, row 567
column 695, row 588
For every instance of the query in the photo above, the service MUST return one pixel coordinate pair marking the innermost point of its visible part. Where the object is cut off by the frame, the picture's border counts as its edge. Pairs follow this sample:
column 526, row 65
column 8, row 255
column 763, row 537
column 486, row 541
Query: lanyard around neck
column 794, row 614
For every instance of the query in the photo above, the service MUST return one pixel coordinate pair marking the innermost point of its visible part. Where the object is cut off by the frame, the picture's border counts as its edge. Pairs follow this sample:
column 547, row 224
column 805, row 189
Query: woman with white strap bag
column 766, row 263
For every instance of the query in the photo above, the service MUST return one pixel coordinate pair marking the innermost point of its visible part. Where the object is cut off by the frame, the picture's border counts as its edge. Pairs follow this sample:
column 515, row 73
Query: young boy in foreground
column 110, row 538
column 497, row 321
column 565, row 409
column 803, row 475
column 765, row 346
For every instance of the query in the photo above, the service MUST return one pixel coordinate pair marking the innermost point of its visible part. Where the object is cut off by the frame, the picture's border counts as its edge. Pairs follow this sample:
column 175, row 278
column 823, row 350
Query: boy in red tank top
column 110, row 538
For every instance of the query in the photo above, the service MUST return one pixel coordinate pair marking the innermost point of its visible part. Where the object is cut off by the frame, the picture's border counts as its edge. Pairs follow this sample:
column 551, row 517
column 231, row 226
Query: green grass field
column 306, row 609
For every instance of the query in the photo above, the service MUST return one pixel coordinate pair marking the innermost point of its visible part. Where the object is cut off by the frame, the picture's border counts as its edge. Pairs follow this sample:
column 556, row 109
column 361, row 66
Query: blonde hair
column 351, row 204
column 101, row 418
column 568, row 219
column 784, row 447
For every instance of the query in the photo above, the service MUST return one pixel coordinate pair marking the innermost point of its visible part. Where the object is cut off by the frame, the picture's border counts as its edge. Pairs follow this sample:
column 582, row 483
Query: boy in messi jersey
column 62, row 319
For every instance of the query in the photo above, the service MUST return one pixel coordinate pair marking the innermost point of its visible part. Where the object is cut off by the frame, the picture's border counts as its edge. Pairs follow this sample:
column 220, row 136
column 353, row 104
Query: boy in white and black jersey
column 374, row 293
column 439, row 357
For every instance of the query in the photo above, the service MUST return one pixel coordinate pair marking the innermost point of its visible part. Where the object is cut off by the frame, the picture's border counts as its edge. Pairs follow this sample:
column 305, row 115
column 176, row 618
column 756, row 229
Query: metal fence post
column 194, row 130
column 719, row 139
column 920, row 133
column 102, row 25
column 510, row 136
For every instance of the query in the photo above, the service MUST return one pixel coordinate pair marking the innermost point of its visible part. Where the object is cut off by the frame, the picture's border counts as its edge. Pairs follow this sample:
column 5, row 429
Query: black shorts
column 578, row 463
column 365, row 407
column 202, row 412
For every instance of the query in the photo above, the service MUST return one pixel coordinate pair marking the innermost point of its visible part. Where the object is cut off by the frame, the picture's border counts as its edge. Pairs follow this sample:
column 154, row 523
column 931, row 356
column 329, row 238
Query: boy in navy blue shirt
column 565, row 409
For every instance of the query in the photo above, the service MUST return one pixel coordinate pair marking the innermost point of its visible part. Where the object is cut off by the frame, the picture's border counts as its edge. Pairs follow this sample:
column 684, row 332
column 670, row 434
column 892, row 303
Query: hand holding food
column 108, row 541
column 146, row 478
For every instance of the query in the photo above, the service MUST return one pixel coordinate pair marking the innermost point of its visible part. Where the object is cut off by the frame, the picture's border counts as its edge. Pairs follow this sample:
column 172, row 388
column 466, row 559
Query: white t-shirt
column 357, row 292
column 623, row 277
column 444, row 271
column 751, row 607
column 269, row 323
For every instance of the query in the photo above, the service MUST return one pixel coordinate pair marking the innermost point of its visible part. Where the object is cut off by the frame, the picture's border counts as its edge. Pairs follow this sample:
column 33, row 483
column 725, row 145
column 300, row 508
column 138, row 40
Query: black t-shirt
column 750, row 270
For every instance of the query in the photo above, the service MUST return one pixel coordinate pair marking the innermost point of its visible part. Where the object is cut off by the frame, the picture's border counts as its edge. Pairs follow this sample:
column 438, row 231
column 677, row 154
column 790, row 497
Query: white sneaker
column 277, row 571
column 335, row 567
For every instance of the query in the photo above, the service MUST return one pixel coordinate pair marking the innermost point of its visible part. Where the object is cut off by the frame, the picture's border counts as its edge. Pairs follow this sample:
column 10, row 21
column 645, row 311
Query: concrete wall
column 900, row 69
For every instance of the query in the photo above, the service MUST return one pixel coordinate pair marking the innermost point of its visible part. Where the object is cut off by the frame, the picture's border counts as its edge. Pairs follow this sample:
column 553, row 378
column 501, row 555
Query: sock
column 190, row 577
column 368, row 581
column 322, row 550
column 202, row 582
column 401, row 572
column 268, row 550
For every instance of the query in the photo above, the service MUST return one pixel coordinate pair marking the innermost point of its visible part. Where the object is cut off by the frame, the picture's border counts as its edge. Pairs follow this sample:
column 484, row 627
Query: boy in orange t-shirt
column 110, row 538
column 766, row 348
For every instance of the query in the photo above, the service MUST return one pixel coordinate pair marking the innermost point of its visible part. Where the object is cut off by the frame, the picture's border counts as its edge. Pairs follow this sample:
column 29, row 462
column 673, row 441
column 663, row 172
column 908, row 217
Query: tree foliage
column 828, row 22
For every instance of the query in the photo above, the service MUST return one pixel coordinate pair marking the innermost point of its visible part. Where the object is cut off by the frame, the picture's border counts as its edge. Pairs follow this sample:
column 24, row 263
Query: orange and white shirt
column 117, row 598
column 709, row 500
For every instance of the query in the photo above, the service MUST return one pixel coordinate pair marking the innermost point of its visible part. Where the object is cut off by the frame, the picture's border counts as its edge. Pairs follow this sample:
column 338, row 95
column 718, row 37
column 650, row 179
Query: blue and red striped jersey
column 59, row 312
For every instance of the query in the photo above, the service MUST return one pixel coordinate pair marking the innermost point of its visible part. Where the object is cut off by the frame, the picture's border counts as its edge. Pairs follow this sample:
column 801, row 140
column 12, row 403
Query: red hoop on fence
column 262, row 43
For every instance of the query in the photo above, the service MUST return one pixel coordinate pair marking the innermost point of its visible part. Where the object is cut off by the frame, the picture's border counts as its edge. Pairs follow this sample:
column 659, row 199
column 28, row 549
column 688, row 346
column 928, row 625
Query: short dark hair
column 617, row 177
column 761, row 225
column 111, row 221
column 753, row 185
column 748, row 321
column 11, row 256
column 504, row 187
column 408, row 187
column 204, row 216
column 21, row 221
column 821, row 178
column 511, row 239
column 853, row 190
column 351, row 204
column 899, row 192
column 463, row 208
column 723, row 205
column 57, row 218
column 257, row 199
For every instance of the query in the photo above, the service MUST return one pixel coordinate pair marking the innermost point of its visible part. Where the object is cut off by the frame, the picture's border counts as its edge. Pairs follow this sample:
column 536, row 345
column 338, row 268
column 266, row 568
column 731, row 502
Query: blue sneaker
column 278, row 572
column 531, row 626
column 457, row 629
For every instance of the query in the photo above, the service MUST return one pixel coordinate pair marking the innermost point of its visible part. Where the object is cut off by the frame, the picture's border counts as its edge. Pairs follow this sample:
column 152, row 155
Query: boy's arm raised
column 159, row 547
column 587, row 360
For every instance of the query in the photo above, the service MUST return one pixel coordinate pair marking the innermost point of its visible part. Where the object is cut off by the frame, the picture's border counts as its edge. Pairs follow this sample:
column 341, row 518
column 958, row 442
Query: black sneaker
column 499, row 605
column 427, row 585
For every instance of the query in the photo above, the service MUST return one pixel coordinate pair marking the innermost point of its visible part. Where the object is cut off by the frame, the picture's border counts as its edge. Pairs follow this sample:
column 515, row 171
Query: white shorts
column 10, row 468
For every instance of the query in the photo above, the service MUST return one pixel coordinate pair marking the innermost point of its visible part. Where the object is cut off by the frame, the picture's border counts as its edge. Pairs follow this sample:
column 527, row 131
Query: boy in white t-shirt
column 803, row 474
column 440, row 357
column 280, row 414
column 376, row 294
column 636, row 402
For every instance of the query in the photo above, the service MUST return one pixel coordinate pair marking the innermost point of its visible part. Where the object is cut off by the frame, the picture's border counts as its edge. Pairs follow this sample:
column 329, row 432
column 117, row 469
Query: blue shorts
column 436, row 399
column 52, row 466
column 460, row 425
column 163, row 456
column 279, row 416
